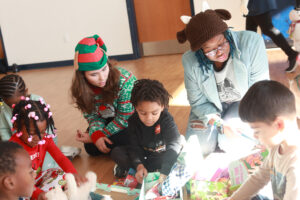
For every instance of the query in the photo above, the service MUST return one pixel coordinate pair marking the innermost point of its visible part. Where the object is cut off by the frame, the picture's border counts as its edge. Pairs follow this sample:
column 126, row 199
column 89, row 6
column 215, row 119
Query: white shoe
column 70, row 152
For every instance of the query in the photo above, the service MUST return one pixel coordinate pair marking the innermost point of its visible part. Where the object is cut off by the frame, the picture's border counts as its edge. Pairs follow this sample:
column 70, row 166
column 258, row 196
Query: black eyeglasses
column 212, row 53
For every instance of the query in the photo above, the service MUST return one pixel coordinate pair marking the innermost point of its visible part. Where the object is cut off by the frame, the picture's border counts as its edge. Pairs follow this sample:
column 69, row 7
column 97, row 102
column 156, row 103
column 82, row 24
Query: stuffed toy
column 294, row 29
column 73, row 192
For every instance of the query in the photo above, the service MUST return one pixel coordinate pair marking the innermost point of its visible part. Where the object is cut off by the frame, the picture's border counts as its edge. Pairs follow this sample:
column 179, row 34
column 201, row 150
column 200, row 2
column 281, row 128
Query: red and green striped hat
column 90, row 54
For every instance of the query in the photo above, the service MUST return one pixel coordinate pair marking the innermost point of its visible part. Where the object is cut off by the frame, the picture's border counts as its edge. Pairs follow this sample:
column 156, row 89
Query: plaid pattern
column 183, row 169
column 177, row 178
column 122, row 105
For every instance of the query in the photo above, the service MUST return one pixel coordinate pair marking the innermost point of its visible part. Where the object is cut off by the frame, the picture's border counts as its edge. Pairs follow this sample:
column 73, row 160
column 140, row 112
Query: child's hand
column 42, row 196
column 100, row 144
column 83, row 137
column 80, row 179
column 141, row 173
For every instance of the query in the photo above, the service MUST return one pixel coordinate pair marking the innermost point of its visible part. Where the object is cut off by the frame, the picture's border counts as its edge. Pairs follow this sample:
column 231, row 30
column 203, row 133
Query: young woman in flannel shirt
column 102, row 92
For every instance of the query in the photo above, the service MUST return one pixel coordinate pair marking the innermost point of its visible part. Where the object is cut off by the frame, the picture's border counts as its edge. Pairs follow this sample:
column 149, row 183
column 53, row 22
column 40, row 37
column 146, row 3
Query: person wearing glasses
column 218, row 70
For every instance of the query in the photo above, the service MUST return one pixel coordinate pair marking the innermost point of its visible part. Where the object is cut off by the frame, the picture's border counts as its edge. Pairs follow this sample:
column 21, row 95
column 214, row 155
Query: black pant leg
column 264, row 21
column 251, row 25
column 120, row 155
column 92, row 150
column 118, row 139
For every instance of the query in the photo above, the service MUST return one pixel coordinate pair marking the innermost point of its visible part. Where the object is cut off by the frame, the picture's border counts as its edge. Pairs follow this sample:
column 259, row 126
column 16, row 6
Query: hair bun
column 224, row 14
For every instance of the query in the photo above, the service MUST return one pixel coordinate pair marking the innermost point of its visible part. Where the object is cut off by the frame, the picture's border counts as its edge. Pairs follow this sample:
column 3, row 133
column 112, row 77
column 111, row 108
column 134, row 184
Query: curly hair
column 22, row 115
column 149, row 90
column 8, row 151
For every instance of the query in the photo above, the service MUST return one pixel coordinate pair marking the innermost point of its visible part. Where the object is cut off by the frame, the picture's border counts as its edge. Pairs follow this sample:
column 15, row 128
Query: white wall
column 37, row 31
column 237, row 20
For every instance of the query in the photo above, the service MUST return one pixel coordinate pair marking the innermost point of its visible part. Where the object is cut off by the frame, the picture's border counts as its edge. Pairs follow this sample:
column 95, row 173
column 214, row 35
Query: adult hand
column 214, row 118
column 141, row 173
column 80, row 179
column 83, row 137
column 100, row 144
column 42, row 196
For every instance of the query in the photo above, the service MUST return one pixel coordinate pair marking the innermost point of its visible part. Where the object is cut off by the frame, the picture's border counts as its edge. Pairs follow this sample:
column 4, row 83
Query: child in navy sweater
column 154, row 136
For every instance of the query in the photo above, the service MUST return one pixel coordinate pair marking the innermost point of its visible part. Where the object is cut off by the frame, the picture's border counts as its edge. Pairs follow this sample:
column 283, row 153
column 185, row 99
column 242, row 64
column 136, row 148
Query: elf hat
column 204, row 26
column 90, row 54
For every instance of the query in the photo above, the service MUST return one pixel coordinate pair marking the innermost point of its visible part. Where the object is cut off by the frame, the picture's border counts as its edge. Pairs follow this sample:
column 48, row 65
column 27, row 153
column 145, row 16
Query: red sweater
column 37, row 156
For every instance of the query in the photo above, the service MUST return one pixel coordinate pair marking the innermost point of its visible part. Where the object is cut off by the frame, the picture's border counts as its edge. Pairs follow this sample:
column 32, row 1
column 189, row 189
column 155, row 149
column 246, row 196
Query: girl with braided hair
column 154, row 136
column 31, row 119
column 12, row 88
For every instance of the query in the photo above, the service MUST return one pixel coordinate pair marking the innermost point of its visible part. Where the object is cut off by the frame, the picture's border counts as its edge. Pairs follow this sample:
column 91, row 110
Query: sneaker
column 293, row 63
column 70, row 152
column 119, row 172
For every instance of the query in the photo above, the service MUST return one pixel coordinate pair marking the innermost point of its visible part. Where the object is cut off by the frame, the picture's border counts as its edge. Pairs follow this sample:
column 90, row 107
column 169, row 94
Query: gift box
column 151, row 189
column 208, row 190
column 239, row 170
column 130, row 180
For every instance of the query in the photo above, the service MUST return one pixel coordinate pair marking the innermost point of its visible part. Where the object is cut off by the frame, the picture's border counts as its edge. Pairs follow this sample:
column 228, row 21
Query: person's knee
column 206, row 139
column 91, row 149
column 270, row 31
column 117, row 153
column 120, row 156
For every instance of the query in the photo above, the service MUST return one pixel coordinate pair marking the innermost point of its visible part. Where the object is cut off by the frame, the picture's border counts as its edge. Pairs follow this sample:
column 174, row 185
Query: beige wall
column 237, row 21
column 37, row 31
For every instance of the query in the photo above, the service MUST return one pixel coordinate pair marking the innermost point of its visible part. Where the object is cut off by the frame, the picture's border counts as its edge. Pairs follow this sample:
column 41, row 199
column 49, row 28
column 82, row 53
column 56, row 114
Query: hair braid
column 39, row 109
column 11, row 84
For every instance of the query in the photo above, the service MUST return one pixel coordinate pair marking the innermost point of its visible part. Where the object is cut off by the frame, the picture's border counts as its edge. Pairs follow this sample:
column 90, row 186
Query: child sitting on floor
column 31, row 120
column 154, row 136
column 12, row 88
column 16, row 175
column 269, row 108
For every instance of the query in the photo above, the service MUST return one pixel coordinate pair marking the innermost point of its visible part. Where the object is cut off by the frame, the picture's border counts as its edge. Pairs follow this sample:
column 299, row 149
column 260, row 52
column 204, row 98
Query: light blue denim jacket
column 250, row 65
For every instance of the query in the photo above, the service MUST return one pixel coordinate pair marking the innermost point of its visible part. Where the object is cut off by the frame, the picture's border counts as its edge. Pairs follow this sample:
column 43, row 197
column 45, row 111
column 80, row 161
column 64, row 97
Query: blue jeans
column 260, row 197
column 210, row 138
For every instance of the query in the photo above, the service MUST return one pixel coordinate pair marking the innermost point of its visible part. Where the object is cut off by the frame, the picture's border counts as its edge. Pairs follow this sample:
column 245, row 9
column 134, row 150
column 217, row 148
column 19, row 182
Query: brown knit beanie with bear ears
column 204, row 26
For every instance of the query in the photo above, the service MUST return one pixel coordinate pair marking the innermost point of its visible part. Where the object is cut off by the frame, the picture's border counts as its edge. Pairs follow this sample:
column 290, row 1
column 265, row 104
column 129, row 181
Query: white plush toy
column 73, row 192
column 294, row 30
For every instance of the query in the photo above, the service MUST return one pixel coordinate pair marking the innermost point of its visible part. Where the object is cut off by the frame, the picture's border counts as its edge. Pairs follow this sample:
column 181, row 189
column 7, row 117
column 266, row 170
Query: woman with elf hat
column 218, row 70
column 102, row 93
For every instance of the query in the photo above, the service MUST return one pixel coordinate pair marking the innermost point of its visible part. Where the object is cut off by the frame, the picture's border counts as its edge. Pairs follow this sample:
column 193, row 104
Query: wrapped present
column 48, row 179
column 188, row 162
column 239, row 170
column 130, row 180
column 151, row 189
column 119, row 182
column 213, row 168
column 207, row 190
column 117, row 188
